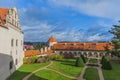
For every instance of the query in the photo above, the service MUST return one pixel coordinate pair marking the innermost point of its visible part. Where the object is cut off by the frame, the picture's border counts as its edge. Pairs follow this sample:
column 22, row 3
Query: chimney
column 74, row 43
column 45, row 49
column 65, row 43
column 84, row 43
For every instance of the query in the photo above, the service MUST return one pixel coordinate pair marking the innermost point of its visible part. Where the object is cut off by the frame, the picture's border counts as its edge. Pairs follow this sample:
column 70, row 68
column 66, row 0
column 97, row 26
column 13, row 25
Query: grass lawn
column 25, row 70
column 91, row 74
column 93, row 61
column 47, row 75
column 67, row 67
column 113, row 74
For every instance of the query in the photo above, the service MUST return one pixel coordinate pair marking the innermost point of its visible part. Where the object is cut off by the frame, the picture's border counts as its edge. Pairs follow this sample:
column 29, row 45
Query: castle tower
column 52, row 41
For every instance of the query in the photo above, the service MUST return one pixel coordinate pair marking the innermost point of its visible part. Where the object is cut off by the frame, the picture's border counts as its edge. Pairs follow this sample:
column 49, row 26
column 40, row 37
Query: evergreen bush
column 83, row 58
column 106, row 64
column 79, row 62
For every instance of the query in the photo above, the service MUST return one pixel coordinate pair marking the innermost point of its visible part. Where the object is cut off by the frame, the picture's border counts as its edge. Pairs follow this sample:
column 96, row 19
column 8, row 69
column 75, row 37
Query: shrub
column 34, row 58
column 83, row 58
column 106, row 64
column 55, row 56
column 103, row 57
column 29, row 60
column 39, row 60
column 25, row 60
column 79, row 62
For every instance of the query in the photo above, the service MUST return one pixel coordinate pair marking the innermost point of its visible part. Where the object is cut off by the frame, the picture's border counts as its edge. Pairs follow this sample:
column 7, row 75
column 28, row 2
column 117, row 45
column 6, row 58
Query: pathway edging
column 98, row 68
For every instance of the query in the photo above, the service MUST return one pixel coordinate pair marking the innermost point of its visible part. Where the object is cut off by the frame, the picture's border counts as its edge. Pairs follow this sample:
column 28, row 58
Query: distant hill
column 35, row 43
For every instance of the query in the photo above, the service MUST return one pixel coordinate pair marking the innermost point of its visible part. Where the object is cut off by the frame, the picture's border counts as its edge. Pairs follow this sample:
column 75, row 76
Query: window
column 11, row 65
column 16, row 42
column 21, row 42
column 12, row 42
column 16, row 61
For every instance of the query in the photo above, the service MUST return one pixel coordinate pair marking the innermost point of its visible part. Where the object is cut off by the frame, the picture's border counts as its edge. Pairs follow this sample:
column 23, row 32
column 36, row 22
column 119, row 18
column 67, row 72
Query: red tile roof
column 3, row 14
column 52, row 39
column 81, row 46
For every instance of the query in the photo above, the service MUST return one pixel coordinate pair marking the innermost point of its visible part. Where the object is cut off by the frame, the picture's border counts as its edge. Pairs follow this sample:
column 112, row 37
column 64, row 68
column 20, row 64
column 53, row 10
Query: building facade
column 74, row 49
column 11, row 42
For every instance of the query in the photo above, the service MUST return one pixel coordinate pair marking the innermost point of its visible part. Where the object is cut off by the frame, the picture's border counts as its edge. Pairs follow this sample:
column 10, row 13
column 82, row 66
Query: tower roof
column 52, row 39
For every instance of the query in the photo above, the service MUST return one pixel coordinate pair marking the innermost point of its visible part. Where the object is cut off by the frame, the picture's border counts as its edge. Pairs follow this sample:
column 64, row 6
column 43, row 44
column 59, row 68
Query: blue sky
column 66, row 20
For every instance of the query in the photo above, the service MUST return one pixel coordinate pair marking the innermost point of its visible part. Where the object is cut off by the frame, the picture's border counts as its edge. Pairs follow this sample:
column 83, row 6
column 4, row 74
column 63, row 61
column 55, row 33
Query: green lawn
column 25, row 70
column 93, row 61
column 113, row 74
column 67, row 67
column 91, row 74
column 47, row 75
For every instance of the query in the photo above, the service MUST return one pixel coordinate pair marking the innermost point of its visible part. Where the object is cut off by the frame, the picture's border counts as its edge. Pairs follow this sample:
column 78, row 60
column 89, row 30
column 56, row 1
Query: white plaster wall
column 6, row 35
column 7, row 52
column 52, row 43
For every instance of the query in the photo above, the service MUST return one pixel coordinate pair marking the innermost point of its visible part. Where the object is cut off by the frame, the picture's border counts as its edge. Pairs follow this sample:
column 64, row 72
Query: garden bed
column 91, row 74
column 67, row 66
column 93, row 61
column 24, row 70
column 113, row 74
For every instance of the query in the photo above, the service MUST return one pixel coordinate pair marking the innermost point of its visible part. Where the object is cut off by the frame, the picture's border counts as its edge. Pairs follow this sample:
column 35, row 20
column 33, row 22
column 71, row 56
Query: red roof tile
column 52, row 39
column 81, row 46
column 3, row 14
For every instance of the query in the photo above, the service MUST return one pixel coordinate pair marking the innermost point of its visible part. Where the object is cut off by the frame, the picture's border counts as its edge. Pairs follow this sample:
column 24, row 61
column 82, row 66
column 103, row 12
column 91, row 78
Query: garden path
column 98, row 68
column 27, row 77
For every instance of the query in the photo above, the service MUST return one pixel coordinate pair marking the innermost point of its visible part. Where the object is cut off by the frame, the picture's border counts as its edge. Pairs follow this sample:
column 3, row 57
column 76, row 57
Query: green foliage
column 79, row 62
column 113, row 74
column 91, row 74
column 55, row 56
column 34, row 58
column 38, row 46
column 66, row 66
column 25, row 60
column 103, row 57
column 106, row 64
column 24, row 70
column 83, row 58
column 116, row 40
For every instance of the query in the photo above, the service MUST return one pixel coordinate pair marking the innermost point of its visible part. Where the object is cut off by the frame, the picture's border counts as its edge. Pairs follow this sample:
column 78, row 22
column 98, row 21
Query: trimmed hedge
column 83, row 58
column 106, row 63
column 102, row 60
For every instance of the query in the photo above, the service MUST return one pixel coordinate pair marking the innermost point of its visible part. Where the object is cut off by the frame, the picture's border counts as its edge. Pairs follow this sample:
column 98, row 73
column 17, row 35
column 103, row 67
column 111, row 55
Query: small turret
column 52, row 41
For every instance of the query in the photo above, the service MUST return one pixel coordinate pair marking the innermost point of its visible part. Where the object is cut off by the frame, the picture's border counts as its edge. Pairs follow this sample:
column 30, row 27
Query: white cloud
column 97, row 37
column 100, row 8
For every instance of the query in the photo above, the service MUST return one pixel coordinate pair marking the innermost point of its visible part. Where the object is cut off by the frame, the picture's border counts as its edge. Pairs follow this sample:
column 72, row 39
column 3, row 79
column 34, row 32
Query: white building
column 11, row 42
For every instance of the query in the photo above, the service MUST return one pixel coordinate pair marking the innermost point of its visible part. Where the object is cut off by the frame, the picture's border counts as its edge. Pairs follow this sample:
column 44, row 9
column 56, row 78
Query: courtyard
column 63, row 69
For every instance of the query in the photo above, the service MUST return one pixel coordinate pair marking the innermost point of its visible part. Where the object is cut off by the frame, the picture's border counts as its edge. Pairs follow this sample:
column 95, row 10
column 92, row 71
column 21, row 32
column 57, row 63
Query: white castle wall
column 10, row 53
